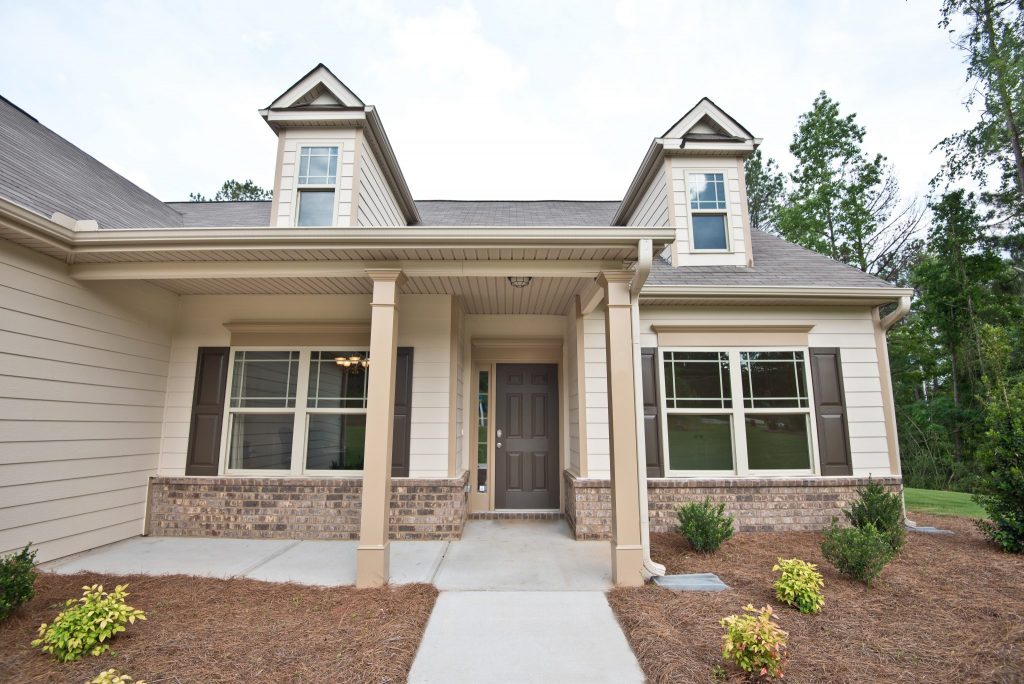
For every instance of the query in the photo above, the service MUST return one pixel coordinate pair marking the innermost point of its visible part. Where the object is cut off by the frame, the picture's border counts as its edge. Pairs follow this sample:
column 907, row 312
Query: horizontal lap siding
column 572, row 381
column 653, row 207
column 848, row 328
column 377, row 205
column 730, row 168
column 294, row 140
column 595, row 373
column 82, row 383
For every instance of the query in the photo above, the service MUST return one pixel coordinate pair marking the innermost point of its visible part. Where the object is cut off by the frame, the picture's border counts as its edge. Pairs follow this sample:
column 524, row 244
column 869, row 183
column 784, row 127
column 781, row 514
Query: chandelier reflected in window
column 354, row 363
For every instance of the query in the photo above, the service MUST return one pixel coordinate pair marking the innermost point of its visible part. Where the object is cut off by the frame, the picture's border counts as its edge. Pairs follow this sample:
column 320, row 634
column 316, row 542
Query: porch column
column 372, row 554
column 627, row 544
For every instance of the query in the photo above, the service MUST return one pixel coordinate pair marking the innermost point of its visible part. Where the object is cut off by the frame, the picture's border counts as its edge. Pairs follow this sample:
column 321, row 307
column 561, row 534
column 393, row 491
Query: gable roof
column 318, row 87
column 43, row 172
column 707, row 111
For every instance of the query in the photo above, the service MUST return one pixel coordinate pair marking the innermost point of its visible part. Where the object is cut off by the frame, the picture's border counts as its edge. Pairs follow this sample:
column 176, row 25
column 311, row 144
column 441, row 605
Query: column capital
column 392, row 275
column 616, row 287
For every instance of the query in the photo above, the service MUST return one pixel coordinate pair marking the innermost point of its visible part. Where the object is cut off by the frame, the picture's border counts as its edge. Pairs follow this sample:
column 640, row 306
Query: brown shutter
column 652, row 410
column 403, row 414
column 207, row 411
column 830, row 411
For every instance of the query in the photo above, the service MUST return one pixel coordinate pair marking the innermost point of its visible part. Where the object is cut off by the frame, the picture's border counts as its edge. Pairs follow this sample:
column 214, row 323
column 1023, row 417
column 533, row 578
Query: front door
column 526, row 436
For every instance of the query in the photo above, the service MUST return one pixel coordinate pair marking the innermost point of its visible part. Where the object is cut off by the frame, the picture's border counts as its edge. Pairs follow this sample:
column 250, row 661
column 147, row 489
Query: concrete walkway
column 523, row 602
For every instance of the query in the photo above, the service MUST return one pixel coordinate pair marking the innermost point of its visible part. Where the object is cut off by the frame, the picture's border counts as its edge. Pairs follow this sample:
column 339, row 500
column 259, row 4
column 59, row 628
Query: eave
column 685, row 295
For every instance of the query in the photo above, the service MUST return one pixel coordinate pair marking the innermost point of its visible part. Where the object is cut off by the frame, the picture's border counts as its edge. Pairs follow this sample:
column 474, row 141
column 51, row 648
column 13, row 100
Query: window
column 277, row 396
column 318, row 174
column 708, row 205
column 729, row 412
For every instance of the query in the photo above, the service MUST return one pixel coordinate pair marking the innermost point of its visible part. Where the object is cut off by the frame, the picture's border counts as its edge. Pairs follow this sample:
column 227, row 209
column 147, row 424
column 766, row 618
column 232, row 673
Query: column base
column 372, row 566
column 627, row 565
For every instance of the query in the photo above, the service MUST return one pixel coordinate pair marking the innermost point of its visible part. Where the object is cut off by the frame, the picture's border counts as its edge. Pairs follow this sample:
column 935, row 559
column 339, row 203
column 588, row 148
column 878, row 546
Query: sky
column 526, row 99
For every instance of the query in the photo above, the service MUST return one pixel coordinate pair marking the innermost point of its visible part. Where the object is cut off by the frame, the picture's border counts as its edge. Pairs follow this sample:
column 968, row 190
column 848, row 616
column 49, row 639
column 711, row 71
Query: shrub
column 112, row 676
column 799, row 585
column 882, row 509
column 88, row 624
column 860, row 552
column 704, row 524
column 17, row 580
column 755, row 643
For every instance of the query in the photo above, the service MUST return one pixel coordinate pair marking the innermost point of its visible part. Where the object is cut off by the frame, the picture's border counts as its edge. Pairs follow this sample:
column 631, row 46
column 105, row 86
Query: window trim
column 724, row 213
column 300, row 413
column 317, row 187
column 738, row 414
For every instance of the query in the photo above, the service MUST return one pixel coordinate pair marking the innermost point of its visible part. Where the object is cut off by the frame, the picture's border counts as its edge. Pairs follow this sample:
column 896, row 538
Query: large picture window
column 297, row 411
column 737, row 411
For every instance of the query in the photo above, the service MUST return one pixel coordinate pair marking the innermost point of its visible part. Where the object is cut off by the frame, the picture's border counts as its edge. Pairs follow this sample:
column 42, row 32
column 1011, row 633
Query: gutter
column 645, row 255
column 894, row 317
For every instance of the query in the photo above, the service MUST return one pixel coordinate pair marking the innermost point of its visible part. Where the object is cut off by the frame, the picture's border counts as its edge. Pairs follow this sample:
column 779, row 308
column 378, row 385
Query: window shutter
column 830, row 411
column 652, row 410
column 401, row 437
column 207, row 411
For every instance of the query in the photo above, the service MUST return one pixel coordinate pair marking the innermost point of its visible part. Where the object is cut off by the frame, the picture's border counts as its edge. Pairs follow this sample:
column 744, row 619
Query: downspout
column 894, row 317
column 645, row 255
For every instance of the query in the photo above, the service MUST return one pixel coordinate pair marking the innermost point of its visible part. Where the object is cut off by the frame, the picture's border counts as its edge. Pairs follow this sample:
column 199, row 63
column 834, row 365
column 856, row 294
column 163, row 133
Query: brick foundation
column 758, row 504
column 299, row 508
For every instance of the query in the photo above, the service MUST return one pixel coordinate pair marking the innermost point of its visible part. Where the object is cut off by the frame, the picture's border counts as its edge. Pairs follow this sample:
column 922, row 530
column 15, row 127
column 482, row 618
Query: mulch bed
column 948, row 609
column 210, row 630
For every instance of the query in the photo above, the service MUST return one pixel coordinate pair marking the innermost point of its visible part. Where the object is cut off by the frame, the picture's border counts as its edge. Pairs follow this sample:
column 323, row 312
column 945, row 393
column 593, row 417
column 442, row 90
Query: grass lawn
column 942, row 503
column 948, row 609
column 212, row 630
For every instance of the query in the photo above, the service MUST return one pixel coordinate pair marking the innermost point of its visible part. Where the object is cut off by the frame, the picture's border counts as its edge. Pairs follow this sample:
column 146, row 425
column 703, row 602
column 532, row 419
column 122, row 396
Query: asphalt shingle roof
column 505, row 213
column 44, row 172
column 223, row 214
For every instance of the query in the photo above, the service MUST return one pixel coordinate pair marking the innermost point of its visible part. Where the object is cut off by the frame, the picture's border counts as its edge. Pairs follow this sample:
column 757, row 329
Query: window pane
column 316, row 207
column 335, row 441
column 335, row 386
column 700, row 442
column 709, row 232
column 261, row 441
column 707, row 191
column 318, row 165
column 697, row 380
column 481, row 434
column 774, row 380
column 264, row 379
column 778, row 441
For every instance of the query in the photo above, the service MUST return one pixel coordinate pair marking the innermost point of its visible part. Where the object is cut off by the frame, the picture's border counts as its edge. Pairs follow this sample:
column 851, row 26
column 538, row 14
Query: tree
column 233, row 191
column 845, row 204
column 993, row 43
column 766, row 191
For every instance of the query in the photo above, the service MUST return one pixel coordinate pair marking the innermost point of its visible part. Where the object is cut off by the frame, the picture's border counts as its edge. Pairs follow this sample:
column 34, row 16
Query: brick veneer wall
column 758, row 504
column 299, row 508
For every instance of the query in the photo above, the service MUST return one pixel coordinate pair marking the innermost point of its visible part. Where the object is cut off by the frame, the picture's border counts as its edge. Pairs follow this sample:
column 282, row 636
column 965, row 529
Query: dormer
column 692, row 179
column 335, row 166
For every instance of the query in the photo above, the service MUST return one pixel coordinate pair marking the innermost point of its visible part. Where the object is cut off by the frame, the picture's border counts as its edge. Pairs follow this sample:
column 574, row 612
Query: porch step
column 516, row 515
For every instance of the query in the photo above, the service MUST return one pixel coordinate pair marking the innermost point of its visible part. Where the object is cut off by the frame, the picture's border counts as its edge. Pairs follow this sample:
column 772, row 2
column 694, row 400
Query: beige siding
column 293, row 139
column 736, row 216
column 848, row 328
column 82, row 379
column 653, row 208
column 377, row 205
column 423, row 325
column 595, row 398
column 572, row 381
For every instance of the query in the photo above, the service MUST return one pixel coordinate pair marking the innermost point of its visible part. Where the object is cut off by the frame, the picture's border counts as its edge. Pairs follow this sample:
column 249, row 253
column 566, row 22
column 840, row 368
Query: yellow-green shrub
column 88, row 624
column 755, row 643
column 112, row 676
column 799, row 585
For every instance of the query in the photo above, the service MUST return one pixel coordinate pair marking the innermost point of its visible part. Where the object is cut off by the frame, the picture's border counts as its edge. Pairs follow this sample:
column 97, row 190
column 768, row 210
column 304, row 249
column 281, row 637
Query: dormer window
column 318, row 174
column 708, row 203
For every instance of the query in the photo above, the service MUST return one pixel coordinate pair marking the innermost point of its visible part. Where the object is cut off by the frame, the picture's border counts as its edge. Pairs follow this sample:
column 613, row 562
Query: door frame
column 486, row 354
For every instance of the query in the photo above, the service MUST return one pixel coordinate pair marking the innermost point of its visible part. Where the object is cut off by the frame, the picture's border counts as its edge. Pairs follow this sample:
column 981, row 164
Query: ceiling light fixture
column 519, row 281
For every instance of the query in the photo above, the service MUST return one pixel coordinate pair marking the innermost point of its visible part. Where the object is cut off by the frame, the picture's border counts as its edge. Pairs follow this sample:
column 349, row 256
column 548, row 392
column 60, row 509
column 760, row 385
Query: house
column 347, row 362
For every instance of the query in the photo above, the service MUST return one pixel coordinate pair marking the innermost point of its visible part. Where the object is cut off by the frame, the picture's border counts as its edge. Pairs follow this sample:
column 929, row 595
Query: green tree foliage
column 766, row 191
column 990, row 153
column 844, row 203
column 234, row 191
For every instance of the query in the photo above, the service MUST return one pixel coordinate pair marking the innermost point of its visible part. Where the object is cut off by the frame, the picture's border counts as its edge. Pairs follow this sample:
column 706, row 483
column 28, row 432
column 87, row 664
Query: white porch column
column 627, row 544
column 372, row 554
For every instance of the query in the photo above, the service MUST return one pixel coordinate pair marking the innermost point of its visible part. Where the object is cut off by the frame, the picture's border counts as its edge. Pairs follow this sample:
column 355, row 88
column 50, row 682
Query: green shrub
column 883, row 509
column 755, row 643
column 859, row 552
column 799, row 585
column 88, row 624
column 112, row 676
column 17, row 580
column 704, row 524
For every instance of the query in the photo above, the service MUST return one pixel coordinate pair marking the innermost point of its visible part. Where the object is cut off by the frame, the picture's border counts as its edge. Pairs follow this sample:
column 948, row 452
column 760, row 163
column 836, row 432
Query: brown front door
column 526, row 436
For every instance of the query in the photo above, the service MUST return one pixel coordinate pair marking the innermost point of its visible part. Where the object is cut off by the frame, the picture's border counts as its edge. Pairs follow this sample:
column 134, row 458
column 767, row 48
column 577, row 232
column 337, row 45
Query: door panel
column 526, row 412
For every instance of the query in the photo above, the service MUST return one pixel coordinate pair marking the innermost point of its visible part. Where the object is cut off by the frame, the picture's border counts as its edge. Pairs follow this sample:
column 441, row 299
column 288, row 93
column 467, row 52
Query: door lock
column 499, row 433
column 498, row 445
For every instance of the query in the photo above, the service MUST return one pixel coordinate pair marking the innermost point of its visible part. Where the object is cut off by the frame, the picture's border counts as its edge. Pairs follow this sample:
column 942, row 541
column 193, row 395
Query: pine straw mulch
column 212, row 630
column 948, row 609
